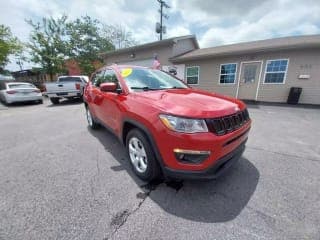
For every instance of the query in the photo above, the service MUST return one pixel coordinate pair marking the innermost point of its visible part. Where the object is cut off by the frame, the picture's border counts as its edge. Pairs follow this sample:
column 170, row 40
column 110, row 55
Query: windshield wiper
column 175, row 87
column 145, row 88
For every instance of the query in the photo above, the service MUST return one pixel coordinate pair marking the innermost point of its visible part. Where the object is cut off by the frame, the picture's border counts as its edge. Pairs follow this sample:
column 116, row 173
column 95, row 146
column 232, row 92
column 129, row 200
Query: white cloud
column 214, row 22
column 231, row 21
column 177, row 31
column 140, row 20
column 279, row 22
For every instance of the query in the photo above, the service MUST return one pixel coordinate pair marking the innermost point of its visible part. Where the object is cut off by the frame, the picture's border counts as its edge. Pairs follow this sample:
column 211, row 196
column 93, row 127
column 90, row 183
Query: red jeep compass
column 166, row 126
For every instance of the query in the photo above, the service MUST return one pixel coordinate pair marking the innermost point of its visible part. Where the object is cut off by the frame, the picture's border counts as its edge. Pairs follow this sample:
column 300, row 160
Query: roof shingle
column 251, row 47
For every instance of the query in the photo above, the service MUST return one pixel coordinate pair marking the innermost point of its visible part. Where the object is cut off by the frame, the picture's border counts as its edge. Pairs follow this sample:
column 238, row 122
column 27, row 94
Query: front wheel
column 141, row 155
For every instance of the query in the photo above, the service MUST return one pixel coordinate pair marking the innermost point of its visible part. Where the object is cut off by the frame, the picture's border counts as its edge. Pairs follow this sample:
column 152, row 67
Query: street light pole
column 161, row 7
column 161, row 29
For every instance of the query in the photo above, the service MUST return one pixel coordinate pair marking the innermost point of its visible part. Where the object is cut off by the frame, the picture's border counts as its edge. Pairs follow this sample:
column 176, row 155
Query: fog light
column 191, row 156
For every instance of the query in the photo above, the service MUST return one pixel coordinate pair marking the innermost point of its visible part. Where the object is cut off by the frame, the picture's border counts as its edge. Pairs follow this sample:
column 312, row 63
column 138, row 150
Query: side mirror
column 173, row 71
column 108, row 87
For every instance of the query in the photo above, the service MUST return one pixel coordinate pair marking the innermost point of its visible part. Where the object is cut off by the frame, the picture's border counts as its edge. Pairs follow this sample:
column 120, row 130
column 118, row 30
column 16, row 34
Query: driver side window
column 110, row 76
column 105, row 76
column 98, row 78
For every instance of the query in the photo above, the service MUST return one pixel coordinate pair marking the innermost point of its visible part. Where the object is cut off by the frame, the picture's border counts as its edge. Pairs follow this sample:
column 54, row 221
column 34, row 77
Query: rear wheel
column 91, row 122
column 54, row 100
column 141, row 155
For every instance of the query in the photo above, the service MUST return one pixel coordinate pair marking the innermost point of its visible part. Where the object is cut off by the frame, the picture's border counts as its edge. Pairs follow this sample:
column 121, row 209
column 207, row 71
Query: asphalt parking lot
column 60, row 180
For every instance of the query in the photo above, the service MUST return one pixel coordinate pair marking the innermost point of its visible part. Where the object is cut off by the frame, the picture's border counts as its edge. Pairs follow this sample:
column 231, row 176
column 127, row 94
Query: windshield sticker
column 126, row 72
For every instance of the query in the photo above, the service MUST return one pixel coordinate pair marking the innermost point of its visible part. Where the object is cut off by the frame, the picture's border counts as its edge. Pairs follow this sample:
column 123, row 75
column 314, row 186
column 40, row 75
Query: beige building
column 260, row 71
column 143, row 55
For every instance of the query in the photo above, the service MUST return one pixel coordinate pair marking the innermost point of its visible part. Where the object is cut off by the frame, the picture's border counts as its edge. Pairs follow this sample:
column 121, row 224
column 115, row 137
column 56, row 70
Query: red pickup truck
column 168, row 128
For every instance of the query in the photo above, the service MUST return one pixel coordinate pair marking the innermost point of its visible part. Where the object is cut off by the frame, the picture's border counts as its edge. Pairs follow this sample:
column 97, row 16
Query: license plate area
column 62, row 94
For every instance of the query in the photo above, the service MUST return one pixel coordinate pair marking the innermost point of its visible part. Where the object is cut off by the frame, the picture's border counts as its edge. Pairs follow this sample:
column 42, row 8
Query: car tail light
column 11, row 91
column 78, row 86
column 37, row 91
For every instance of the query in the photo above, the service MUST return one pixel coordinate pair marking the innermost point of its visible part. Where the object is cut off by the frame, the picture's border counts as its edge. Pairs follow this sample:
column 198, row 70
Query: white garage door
column 144, row 62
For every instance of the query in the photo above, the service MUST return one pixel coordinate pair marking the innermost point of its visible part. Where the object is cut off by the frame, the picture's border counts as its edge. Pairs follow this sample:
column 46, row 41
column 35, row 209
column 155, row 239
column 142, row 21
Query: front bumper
column 213, row 172
column 218, row 146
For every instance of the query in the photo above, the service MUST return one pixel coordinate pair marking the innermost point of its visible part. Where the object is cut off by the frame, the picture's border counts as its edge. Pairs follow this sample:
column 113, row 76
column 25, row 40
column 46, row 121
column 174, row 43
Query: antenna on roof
column 159, row 27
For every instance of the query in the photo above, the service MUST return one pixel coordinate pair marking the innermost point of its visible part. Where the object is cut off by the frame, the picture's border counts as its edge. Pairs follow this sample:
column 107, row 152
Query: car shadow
column 65, row 102
column 218, row 200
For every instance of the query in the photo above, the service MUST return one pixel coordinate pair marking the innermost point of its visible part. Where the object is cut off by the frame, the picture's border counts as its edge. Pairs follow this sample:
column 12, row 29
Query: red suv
column 167, row 127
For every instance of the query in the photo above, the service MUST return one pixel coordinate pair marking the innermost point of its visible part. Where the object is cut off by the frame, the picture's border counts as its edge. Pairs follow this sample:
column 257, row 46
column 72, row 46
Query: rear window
column 70, row 79
column 21, row 85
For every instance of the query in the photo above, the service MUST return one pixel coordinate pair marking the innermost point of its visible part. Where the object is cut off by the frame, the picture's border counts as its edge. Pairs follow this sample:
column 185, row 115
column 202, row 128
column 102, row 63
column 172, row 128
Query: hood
column 190, row 103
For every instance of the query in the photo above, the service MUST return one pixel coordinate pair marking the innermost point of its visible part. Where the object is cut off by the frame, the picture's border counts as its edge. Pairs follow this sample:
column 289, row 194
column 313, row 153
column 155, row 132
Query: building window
column 276, row 71
column 228, row 73
column 193, row 75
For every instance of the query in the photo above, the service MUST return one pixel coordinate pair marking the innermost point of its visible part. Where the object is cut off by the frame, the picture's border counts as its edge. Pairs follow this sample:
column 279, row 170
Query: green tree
column 119, row 36
column 48, row 45
column 8, row 45
column 86, row 42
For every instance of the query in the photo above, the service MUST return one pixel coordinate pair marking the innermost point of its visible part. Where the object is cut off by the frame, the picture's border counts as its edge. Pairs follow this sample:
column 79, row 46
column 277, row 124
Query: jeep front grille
column 224, row 125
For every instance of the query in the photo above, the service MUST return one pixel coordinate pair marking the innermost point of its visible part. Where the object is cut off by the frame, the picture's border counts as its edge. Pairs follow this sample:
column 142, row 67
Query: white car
column 11, row 92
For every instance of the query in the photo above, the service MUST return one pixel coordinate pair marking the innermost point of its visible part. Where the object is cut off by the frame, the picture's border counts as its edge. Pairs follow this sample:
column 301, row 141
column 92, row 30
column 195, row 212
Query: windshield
column 69, row 79
column 21, row 85
column 144, row 79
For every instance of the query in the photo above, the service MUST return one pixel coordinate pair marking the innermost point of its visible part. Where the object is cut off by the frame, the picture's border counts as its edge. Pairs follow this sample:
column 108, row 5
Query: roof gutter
column 223, row 54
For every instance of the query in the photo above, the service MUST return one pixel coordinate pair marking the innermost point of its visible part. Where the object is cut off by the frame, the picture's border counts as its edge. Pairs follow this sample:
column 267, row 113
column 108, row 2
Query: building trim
column 261, row 46
column 260, row 75
column 147, row 46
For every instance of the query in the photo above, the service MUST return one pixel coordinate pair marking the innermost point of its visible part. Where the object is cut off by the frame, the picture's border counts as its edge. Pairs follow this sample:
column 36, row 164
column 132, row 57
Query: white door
column 250, row 73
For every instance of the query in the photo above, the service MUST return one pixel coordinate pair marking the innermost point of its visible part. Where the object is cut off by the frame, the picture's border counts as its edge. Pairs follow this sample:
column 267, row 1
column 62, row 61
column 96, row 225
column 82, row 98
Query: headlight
column 185, row 125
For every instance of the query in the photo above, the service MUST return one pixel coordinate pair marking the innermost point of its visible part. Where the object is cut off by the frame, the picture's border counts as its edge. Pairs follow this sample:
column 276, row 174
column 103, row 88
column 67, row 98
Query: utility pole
column 159, row 26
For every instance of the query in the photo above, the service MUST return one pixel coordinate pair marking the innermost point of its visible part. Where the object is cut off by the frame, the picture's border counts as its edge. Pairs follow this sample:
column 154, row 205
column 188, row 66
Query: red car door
column 110, row 106
column 94, row 96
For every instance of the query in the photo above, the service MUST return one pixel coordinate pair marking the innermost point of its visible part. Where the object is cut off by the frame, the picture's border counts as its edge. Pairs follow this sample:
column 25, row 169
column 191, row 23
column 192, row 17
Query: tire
column 91, row 122
column 54, row 100
column 40, row 101
column 141, row 156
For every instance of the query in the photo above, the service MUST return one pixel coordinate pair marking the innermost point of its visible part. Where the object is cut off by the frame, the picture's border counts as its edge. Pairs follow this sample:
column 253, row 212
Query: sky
column 214, row 22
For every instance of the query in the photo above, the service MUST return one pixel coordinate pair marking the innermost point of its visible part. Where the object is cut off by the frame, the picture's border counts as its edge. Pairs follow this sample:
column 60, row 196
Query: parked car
column 11, row 92
column 66, row 87
column 166, row 126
